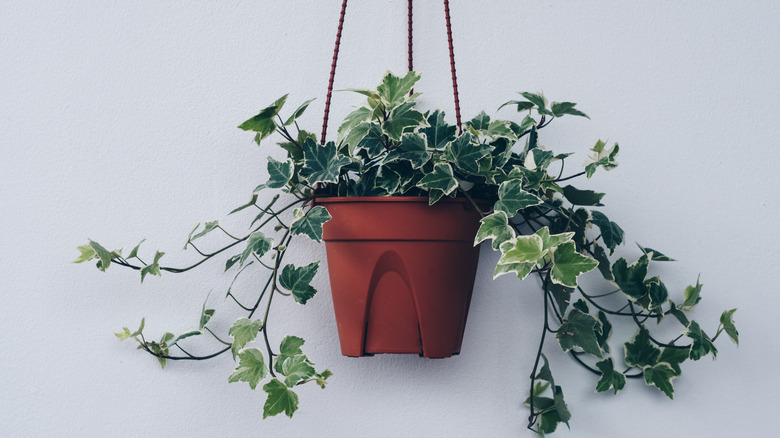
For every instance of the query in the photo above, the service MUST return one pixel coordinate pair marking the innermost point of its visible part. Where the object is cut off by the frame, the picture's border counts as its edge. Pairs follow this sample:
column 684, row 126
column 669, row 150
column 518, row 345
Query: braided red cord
column 411, row 33
column 333, row 72
column 452, row 65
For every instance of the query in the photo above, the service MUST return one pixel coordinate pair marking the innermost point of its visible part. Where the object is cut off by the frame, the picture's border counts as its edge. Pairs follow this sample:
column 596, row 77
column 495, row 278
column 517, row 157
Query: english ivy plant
column 543, row 227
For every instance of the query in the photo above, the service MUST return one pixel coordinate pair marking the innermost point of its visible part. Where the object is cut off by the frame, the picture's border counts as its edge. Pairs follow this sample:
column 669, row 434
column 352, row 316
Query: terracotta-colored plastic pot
column 401, row 273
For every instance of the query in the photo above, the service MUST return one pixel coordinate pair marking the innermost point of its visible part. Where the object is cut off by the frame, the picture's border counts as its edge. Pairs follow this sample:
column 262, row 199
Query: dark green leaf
column 298, row 281
column 441, row 179
column 610, row 379
column 604, row 266
column 674, row 357
column 310, row 223
column 480, row 122
column 413, row 148
column 676, row 311
column 562, row 296
column 657, row 292
column 153, row 268
column 579, row 330
column 727, row 319
column 582, row 197
column 439, row 133
column 232, row 261
column 466, row 151
column 537, row 99
column 402, row 118
column 562, row 108
column 512, row 198
column 702, row 345
column 611, row 233
column 297, row 113
column 256, row 244
column 322, row 163
column 601, row 157
column 280, row 399
column 279, row 172
column 631, row 279
column 641, row 352
column 660, row 375
column 605, row 333
column 656, row 256
column 263, row 123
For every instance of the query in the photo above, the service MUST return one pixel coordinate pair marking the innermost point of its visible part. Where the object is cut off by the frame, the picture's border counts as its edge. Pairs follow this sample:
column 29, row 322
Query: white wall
column 117, row 122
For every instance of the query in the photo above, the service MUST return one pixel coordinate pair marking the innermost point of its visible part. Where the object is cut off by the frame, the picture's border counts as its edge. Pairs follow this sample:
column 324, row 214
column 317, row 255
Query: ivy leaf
column 280, row 399
column 605, row 333
column 631, row 279
column 394, row 89
column 297, row 281
column 562, row 296
column 500, row 128
column 678, row 314
column 373, row 142
column 439, row 133
column 610, row 379
column 441, row 179
column 243, row 331
column 604, row 266
column 522, row 249
column 537, row 99
column 232, row 261
column 402, row 117
column 660, row 375
column 579, row 330
column 205, row 316
column 413, row 149
column 297, row 113
column 296, row 369
column 550, row 241
column 692, row 296
column 466, row 152
column 656, row 256
column 601, row 157
column 568, row 264
column 353, row 119
column 103, row 254
column 207, row 228
column 641, row 352
column 522, row 105
column 125, row 333
column 562, row 108
column 611, row 233
column 263, row 123
column 251, row 368
column 480, row 122
column 674, row 357
column 247, row 205
column 153, row 268
column 322, row 164
column 280, row 173
column 310, row 223
column 538, row 159
column 582, row 197
column 702, row 345
column 389, row 181
column 727, row 319
column 657, row 292
column 256, row 244
column 134, row 252
column 521, row 269
column 512, row 198
column 496, row 227
column 87, row 252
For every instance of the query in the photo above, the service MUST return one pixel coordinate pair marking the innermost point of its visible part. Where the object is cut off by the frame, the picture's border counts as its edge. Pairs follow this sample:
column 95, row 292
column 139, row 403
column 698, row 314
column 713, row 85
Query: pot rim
column 397, row 199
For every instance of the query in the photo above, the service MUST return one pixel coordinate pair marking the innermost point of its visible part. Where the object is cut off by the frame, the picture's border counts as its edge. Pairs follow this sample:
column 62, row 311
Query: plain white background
column 117, row 122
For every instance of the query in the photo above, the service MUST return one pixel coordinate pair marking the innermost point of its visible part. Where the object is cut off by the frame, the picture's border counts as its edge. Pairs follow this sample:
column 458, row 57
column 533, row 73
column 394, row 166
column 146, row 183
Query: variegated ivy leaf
column 322, row 164
column 294, row 364
column 207, row 228
column 413, row 148
column 582, row 197
column 87, row 252
column 434, row 195
column 243, row 331
column 500, row 128
column 551, row 410
column 99, row 252
column 655, row 255
column 251, row 367
column 393, row 89
column 579, row 330
column 153, row 268
column 610, row 378
column 727, row 320
column 373, row 142
column 559, row 109
column 466, row 152
column 656, row 292
column 440, row 179
column 550, row 241
column 702, row 345
column 125, row 333
column 522, row 249
column 538, row 159
column 601, row 157
column 522, row 105
column 631, row 279
column 297, row 113
column 310, row 223
column 256, row 244
column 279, row 173
column 692, row 296
column 521, row 269
column 512, row 198
column 537, row 99
column 641, row 352
column 439, row 133
column 389, row 180
column 660, row 375
column 480, row 122
column 611, row 233
column 568, row 264
column 280, row 399
column 263, row 123
column 605, row 333
column 298, row 281
column 353, row 119
column 604, row 266
column 402, row 118
column 674, row 357
column 495, row 227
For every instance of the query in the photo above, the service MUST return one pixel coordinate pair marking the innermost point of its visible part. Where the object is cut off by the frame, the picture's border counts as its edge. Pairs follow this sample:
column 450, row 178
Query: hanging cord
column 411, row 33
column 452, row 65
column 333, row 72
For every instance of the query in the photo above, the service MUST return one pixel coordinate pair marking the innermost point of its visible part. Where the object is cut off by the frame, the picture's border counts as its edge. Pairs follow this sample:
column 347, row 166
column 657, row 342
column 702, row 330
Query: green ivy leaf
column 389, row 181
column 373, row 142
column 692, row 296
column 207, row 228
column 727, row 319
column 702, row 345
column 605, row 333
column 243, row 331
column 512, row 198
column 568, row 264
column 103, row 254
column 466, row 151
column 263, row 123
column 310, row 223
column 610, row 379
column 153, row 268
column 251, row 368
column 550, row 241
column 537, row 99
column 657, row 292
column 401, row 118
column 674, row 357
column 394, row 89
column 353, row 119
column 256, row 244
column 134, row 252
column 579, row 330
column 280, row 399
column 322, row 164
column 297, row 113
column 87, row 253
column 298, row 281
column 562, row 108
column 440, row 179
column 631, row 279
column 280, row 173
column 296, row 369
column 604, row 266
column 611, row 233
column 656, row 256
column 601, row 157
column 660, row 375
column 522, row 249
column 247, row 205
column 438, row 133
column 641, row 352
column 562, row 296
column 582, row 197
column 495, row 227
column 413, row 149
column 521, row 269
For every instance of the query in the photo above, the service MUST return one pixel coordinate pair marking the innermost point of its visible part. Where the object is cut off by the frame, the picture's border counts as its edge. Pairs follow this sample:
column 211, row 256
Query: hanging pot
column 401, row 273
